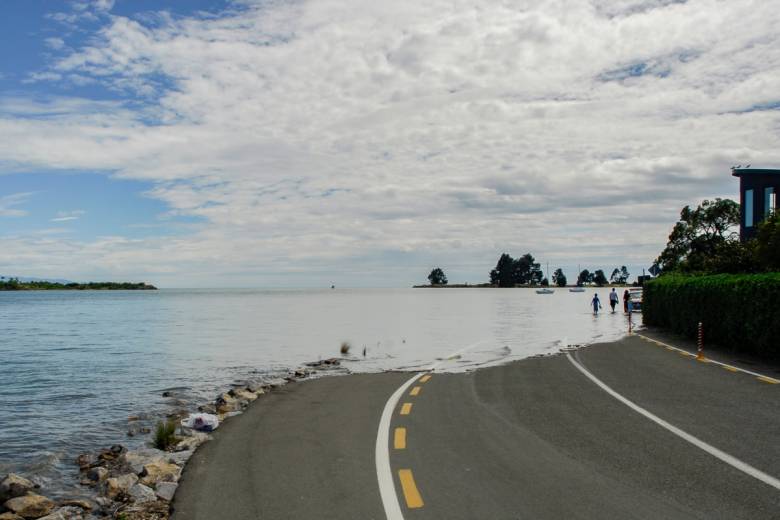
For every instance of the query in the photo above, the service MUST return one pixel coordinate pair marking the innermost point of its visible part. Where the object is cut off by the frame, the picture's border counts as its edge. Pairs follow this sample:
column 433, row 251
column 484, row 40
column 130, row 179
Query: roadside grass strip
column 399, row 439
column 730, row 368
column 712, row 450
column 411, row 493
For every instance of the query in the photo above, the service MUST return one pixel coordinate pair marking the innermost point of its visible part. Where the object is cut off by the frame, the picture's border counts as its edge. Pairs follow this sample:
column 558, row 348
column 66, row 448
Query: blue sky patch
column 83, row 206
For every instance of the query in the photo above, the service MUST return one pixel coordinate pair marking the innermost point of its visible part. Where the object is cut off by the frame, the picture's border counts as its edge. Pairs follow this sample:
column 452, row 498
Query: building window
column 748, row 208
column 769, row 201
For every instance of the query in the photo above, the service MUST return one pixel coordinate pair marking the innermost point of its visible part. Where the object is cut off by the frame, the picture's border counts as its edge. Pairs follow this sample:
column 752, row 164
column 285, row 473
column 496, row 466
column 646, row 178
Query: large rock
column 160, row 472
column 86, row 505
column 120, row 485
column 147, row 511
column 113, row 453
column 192, row 441
column 97, row 474
column 242, row 393
column 226, row 403
column 30, row 506
column 166, row 490
column 14, row 486
column 256, row 388
column 142, row 494
column 85, row 460
column 180, row 457
column 137, row 459
column 10, row 516
column 65, row 513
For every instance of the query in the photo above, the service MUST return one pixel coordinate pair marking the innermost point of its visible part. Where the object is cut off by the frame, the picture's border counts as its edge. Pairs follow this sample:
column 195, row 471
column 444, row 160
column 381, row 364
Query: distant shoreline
column 489, row 286
column 15, row 285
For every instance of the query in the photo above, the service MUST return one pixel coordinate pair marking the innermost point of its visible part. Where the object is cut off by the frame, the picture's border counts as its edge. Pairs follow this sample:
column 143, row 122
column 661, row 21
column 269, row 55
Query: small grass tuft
column 165, row 435
column 345, row 346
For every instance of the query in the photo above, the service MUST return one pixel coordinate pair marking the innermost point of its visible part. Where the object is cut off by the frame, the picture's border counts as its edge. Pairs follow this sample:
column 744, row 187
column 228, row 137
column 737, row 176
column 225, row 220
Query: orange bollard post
column 700, row 343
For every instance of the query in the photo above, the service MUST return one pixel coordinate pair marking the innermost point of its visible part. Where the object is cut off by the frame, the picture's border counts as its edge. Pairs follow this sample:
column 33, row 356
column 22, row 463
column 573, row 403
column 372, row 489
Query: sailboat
column 546, row 290
column 578, row 288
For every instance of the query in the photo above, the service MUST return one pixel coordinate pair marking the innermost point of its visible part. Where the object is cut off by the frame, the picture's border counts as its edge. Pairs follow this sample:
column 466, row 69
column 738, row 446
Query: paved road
column 533, row 439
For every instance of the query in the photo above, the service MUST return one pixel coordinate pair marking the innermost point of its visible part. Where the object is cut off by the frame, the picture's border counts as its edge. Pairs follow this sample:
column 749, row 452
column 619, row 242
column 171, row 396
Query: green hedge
column 739, row 312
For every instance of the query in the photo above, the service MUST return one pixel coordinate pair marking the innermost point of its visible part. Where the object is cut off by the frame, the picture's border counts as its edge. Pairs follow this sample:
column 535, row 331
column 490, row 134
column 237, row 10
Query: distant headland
column 14, row 284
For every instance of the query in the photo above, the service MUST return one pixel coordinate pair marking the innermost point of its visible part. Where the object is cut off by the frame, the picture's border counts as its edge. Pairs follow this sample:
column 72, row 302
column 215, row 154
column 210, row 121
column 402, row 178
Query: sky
column 206, row 143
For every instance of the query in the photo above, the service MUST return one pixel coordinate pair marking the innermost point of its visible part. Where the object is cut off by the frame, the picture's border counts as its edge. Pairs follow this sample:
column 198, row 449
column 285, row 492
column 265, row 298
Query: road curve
column 305, row 450
column 532, row 439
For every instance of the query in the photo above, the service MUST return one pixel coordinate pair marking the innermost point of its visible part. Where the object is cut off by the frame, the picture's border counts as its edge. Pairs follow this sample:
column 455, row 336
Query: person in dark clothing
column 596, row 303
column 626, row 297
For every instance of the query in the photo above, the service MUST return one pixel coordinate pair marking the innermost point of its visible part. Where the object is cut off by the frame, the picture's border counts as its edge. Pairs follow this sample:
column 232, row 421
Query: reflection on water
column 75, row 365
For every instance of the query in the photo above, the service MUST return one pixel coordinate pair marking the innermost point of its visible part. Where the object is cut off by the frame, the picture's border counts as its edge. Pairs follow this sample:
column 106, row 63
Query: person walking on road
column 613, row 300
column 626, row 297
column 596, row 303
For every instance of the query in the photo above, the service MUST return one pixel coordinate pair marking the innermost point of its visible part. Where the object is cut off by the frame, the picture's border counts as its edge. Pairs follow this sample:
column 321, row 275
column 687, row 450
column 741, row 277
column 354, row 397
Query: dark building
column 757, row 197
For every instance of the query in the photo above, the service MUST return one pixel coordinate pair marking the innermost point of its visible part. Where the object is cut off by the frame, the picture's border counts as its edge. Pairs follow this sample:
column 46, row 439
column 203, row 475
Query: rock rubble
column 137, row 484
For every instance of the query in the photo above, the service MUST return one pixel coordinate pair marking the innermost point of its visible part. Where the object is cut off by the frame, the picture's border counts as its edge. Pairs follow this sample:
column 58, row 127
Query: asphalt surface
column 532, row 439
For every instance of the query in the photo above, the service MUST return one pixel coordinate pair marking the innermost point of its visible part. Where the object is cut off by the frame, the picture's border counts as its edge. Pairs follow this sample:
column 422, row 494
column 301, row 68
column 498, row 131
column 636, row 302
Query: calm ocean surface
column 75, row 365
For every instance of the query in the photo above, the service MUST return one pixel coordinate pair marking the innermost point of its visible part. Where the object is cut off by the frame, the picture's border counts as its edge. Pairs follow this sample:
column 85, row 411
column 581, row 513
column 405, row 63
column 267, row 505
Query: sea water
column 74, row 366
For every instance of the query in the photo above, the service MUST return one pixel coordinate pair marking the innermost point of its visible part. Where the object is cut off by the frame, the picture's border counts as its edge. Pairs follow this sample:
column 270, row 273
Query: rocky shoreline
column 139, row 484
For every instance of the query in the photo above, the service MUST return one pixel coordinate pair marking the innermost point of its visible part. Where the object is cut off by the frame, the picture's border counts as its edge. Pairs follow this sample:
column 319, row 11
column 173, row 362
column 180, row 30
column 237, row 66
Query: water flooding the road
column 75, row 365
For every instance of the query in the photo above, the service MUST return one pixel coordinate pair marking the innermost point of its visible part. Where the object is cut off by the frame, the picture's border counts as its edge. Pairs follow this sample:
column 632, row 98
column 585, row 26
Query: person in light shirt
column 613, row 300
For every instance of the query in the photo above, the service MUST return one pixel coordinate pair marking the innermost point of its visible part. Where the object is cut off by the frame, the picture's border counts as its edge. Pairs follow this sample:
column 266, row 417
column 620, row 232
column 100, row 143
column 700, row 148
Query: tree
column 437, row 277
column 584, row 277
column 766, row 245
column 503, row 274
column 599, row 278
column 527, row 271
column 545, row 282
column 619, row 276
column 559, row 278
column 510, row 272
column 704, row 239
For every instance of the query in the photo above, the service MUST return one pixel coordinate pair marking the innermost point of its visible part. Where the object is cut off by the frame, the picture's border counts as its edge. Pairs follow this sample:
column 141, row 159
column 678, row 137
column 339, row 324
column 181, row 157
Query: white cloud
column 104, row 5
column 66, row 216
column 55, row 43
column 315, row 134
column 8, row 203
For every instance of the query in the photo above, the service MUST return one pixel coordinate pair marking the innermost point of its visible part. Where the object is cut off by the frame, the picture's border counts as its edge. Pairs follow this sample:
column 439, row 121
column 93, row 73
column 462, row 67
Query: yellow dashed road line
column 411, row 494
column 425, row 378
column 399, row 440
column 415, row 390
column 406, row 408
column 768, row 380
column 731, row 369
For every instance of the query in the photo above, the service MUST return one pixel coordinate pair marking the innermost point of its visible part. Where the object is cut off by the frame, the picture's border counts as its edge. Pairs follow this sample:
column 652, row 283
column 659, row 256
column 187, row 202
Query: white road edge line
column 384, row 473
column 710, row 360
column 712, row 450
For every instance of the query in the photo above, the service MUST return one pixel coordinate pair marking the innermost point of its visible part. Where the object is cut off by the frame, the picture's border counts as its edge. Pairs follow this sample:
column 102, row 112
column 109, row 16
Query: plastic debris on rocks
column 204, row 422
